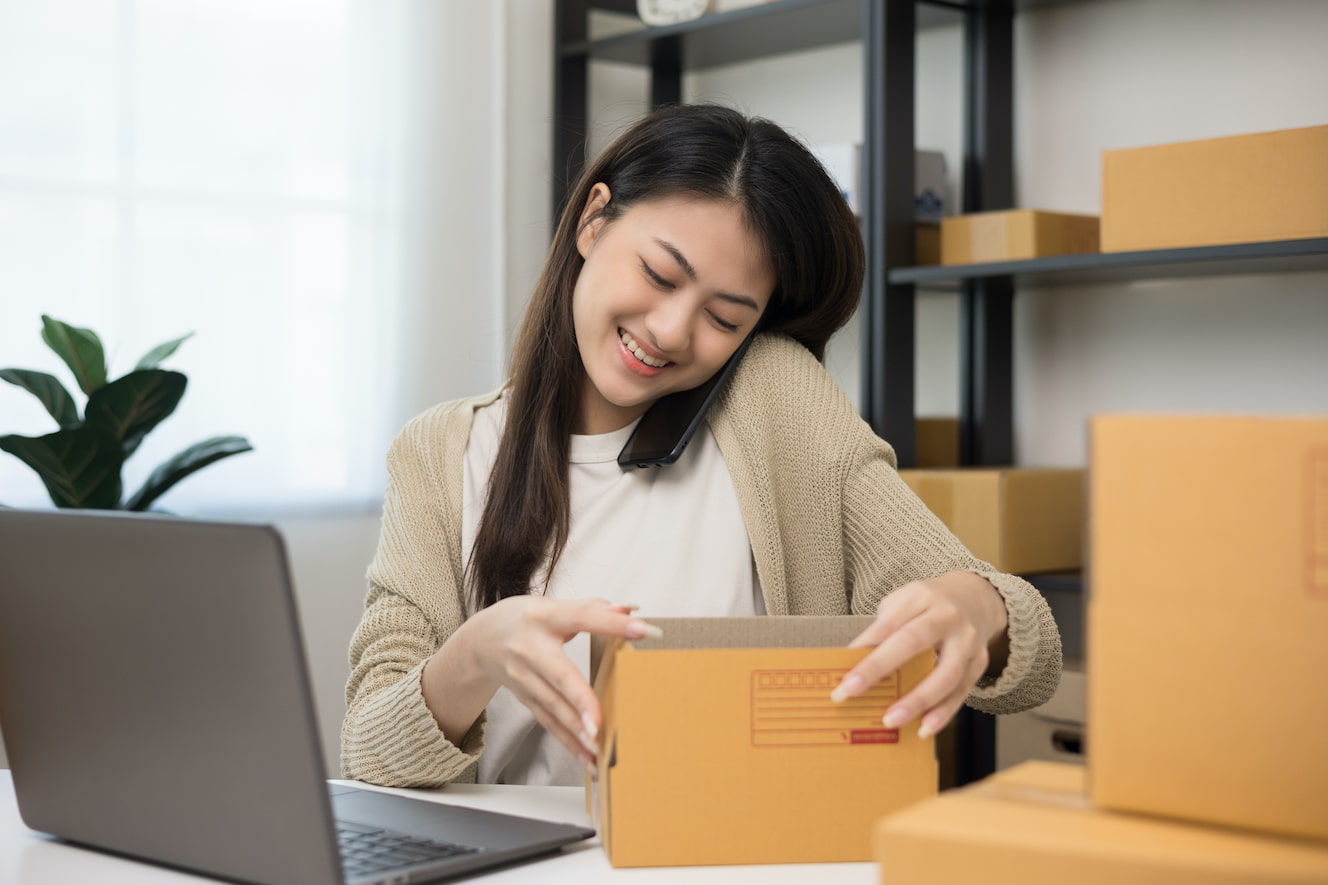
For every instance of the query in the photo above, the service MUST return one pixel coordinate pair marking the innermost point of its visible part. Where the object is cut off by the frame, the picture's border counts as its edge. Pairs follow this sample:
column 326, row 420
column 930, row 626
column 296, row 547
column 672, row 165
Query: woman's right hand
column 518, row 643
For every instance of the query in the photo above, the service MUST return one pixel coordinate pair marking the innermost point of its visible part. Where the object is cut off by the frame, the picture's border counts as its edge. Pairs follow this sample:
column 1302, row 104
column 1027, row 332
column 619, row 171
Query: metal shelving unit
column 887, row 31
column 1281, row 256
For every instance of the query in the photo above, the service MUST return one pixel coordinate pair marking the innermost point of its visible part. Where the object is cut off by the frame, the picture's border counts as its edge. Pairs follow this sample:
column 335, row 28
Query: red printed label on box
column 792, row 708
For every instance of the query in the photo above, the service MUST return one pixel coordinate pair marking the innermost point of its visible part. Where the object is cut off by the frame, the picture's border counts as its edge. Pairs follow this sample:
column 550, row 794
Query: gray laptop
column 154, row 702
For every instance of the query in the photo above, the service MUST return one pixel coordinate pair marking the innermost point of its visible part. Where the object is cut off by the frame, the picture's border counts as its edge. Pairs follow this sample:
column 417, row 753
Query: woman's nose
column 670, row 324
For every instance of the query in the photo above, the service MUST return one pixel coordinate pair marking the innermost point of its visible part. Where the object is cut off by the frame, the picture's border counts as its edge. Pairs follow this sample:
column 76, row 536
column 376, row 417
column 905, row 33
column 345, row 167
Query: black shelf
column 760, row 31
column 1282, row 256
column 886, row 31
column 745, row 34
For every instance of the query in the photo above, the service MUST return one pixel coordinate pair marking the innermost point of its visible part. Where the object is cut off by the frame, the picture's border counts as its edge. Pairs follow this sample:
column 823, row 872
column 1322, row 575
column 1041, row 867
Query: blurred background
column 348, row 202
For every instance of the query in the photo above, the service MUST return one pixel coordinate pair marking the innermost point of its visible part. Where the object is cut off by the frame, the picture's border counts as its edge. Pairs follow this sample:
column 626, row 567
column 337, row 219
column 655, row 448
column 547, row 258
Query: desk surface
column 30, row 858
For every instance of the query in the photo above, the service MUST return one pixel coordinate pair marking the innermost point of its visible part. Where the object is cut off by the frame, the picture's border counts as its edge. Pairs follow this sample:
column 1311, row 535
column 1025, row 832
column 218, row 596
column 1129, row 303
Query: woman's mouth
column 635, row 349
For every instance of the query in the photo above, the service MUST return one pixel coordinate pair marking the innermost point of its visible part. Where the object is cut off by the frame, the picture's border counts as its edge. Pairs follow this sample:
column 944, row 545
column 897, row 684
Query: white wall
column 1128, row 73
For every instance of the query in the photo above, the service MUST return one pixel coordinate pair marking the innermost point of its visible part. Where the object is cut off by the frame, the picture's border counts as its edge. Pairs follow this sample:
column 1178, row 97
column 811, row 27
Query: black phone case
column 667, row 426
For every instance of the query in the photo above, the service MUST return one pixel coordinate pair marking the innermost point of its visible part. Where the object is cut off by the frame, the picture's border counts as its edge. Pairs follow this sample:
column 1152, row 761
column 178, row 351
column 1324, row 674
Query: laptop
column 155, row 703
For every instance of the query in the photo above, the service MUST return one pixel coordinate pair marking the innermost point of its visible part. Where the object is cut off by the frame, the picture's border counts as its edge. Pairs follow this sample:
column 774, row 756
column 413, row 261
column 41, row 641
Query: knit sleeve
column 389, row 735
column 891, row 538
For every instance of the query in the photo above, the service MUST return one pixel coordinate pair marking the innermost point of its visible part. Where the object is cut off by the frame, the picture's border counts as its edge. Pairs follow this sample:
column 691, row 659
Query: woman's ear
column 592, row 219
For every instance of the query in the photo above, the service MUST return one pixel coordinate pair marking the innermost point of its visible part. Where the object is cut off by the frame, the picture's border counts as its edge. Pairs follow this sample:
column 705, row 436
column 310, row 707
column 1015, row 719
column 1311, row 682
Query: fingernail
column 847, row 688
column 588, row 761
column 895, row 717
column 591, row 728
column 587, row 741
column 639, row 629
column 927, row 728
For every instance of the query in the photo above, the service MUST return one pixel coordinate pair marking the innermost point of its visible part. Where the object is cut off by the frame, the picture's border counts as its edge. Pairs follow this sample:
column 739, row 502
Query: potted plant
column 81, row 463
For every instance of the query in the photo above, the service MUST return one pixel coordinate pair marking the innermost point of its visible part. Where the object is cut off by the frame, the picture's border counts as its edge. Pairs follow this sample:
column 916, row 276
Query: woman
column 507, row 516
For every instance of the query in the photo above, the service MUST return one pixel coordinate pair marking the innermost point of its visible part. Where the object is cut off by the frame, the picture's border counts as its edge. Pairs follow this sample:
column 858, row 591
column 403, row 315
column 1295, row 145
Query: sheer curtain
column 275, row 176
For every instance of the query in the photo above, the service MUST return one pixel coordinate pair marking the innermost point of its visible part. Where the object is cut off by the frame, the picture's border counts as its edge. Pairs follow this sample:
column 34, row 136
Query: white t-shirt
column 670, row 540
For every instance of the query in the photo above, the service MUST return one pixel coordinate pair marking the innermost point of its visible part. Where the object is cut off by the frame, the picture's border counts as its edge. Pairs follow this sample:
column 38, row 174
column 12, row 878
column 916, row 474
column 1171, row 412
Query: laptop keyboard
column 366, row 850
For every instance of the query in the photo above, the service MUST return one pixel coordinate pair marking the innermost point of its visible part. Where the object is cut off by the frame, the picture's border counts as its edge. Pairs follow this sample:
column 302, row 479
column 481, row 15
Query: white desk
column 29, row 858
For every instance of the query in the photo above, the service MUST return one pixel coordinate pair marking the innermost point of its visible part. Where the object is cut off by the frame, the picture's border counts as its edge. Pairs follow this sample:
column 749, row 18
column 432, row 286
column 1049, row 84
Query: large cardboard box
column 1208, row 619
column 720, row 744
column 1033, row 825
column 1015, row 234
column 1240, row 189
column 1021, row 520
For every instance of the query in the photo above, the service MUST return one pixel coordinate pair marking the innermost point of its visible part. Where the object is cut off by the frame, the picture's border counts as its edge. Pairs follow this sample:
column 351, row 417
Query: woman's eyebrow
column 686, row 267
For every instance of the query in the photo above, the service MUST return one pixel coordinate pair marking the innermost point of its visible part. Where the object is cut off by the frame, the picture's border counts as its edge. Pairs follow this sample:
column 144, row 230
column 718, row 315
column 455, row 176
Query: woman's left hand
column 958, row 614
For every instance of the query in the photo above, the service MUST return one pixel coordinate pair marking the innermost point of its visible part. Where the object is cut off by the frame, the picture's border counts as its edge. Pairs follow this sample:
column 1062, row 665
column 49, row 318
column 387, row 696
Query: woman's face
column 667, row 293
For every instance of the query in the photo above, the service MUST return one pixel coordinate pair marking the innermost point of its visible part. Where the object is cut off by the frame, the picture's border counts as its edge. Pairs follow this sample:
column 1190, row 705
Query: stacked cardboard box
column 1034, row 824
column 1209, row 619
column 1014, row 235
column 1239, row 189
column 1206, row 713
column 1021, row 520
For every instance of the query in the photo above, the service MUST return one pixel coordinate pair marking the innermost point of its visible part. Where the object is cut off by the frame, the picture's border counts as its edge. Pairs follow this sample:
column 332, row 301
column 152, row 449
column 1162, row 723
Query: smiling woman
column 508, row 515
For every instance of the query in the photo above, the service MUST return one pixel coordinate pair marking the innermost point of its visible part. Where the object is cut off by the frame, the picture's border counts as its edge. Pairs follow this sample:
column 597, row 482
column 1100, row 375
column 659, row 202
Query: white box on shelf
column 932, row 198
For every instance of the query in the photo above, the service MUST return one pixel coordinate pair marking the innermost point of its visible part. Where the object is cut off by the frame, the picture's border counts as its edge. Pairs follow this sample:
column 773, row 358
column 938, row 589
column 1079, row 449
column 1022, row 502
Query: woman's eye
column 654, row 277
column 724, row 324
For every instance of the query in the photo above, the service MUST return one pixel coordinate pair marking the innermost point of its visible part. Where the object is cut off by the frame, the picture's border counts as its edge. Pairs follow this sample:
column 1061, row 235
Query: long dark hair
column 705, row 151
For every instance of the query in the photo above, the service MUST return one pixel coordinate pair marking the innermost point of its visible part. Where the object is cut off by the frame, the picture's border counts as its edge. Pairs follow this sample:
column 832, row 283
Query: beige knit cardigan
column 832, row 526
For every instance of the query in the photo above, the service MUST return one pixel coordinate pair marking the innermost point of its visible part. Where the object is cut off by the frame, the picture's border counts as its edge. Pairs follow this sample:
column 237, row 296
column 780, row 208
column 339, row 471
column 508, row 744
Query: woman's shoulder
column 783, row 399
column 780, row 377
column 445, row 425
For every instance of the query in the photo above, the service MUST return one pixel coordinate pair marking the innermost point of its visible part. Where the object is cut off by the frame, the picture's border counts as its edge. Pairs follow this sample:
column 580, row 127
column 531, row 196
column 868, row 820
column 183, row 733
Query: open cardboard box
column 720, row 744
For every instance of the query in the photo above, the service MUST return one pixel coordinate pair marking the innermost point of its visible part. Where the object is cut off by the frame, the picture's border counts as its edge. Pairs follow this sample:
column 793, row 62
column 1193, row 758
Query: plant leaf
column 80, row 466
column 80, row 349
column 196, row 457
column 153, row 357
column 132, row 405
column 49, row 390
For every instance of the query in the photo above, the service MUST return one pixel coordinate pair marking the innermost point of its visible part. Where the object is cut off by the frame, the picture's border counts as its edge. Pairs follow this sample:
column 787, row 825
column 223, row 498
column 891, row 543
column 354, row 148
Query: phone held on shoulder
column 669, row 424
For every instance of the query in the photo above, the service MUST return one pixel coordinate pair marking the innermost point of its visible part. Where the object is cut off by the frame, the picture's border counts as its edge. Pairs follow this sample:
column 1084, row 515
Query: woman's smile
column 637, row 358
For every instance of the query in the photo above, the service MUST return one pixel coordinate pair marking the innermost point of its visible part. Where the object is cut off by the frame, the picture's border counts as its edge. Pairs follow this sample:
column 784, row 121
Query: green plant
column 81, row 462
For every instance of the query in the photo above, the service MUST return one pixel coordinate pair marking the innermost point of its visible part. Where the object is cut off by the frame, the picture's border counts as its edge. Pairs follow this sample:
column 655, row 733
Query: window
column 224, row 167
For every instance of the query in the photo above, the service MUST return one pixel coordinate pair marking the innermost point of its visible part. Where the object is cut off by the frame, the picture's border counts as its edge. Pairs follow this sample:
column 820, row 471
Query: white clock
column 670, row 12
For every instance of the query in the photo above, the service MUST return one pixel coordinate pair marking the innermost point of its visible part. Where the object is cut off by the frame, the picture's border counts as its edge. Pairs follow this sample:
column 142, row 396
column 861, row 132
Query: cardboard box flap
column 793, row 631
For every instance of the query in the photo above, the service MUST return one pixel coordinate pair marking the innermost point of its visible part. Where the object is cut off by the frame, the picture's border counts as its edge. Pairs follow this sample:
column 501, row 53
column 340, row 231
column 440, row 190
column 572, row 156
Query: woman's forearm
column 456, row 689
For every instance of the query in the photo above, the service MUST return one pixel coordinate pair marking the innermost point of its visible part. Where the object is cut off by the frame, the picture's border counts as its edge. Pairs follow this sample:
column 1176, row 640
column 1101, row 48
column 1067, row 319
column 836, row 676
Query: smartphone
column 669, row 424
